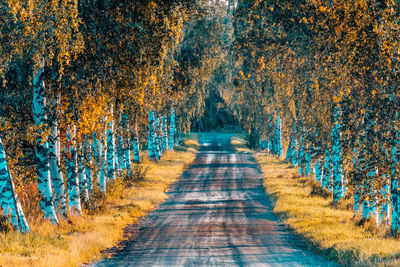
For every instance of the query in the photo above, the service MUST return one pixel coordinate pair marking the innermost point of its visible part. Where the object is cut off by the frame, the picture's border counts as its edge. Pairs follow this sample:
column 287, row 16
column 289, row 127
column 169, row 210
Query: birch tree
column 9, row 202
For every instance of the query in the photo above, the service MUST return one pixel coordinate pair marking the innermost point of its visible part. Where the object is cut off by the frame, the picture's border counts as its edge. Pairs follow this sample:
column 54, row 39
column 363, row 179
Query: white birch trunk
column 83, row 187
column 88, row 166
column 57, row 177
column 337, row 172
column 102, row 181
column 9, row 202
column 165, row 133
column 135, row 145
column 394, row 185
column 327, row 173
column 278, row 136
column 111, row 160
column 120, row 153
column 172, row 130
column 74, row 201
column 151, row 137
column 42, row 148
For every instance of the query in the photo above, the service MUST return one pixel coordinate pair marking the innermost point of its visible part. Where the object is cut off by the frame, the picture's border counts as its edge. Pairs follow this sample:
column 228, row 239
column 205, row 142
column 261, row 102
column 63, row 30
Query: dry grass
column 82, row 239
column 240, row 143
column 330, row 230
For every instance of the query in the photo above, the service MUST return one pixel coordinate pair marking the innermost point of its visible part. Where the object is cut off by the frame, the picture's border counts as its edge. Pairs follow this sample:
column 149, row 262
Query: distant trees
column 331, row 69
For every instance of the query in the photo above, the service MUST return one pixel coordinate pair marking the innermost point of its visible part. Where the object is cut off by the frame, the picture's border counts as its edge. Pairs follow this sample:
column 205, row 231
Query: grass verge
column 240, row 142
column 330, row 230
column 81, row 239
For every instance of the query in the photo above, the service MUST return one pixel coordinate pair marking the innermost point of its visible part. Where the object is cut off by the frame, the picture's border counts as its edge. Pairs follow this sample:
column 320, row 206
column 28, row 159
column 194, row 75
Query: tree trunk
column 309, row 156
column 318, row 171
column 83, row 186
column 172, row 130
column 135, row 145
column 57, row 178
column 42, row 148
column 384, row 210
column 88, row 164
column 120, row 149
column 74, row 202
column 102, row 181
column 295, row 153
column 152, row 149
column 289, row 152
column 337, row 172
column 165, row 134
column 9, row 202
column 111, row 149
column 327, row 173
column 300, row 159
column 394, row 188
column 278, row 136
column 158, row 139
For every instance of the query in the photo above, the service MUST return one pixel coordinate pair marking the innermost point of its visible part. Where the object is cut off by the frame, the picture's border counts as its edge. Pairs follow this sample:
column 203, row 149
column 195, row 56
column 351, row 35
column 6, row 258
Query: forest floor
column 83, row 239
column 217, row 214
column 331, row 230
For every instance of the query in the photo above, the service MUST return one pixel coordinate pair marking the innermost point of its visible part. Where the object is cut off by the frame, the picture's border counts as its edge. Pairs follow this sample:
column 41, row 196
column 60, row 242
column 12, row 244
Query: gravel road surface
column 217, row 214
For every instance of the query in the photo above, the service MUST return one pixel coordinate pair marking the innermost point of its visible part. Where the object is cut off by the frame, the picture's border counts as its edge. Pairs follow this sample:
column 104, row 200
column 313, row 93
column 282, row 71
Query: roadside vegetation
column 81, row 239
column 331, row 229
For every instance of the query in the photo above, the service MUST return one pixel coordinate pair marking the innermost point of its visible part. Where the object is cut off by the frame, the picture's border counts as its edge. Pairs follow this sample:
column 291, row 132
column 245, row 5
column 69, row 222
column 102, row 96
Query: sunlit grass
column 329, row 230
column 82, row 239
column 239, row 142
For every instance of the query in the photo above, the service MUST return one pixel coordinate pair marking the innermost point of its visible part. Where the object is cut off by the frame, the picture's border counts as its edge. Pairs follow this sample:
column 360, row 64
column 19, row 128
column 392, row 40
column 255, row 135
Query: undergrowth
column 5, row 225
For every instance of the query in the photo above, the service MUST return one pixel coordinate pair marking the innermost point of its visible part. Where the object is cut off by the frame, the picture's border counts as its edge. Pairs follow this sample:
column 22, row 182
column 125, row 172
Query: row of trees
column 86, row 84
column 328, row 72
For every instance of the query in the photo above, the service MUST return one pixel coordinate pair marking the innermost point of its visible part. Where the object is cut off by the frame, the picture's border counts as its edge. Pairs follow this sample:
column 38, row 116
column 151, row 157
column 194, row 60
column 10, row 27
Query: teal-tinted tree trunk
column 278, row 150
column 308, row 157
column 270, row 146
column 102, row 181
column 9, row 202
column 172, row 130
column 111, row 161
column 88, row 166
column 165, row 133
column 127, row 155
column 99, row 162
column 152, row 145
column 301, row 156
column 74, row 201
column 60, row 202
column 384, row 210
column 180, row 140
column 263, row 144
column 291, row 148
column 42, row 148
column 318, row 170
column 295, row 153
column 337, row 172
column 83, row 185
column 394, row 187
column 158, row 139
column 120, row 149
column 327, row 173
column 135, row 145
column 369, row 207
column 356, row 196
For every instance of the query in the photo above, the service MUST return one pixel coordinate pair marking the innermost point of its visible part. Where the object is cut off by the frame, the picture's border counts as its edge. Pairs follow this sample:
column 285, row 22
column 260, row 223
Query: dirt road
column 217, row 215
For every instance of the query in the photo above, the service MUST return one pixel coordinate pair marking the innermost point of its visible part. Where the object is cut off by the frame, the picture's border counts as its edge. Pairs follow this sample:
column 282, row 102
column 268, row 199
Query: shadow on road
column 217, row 214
